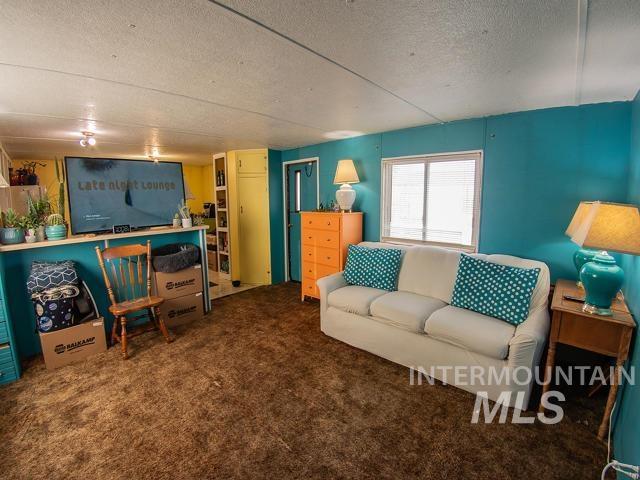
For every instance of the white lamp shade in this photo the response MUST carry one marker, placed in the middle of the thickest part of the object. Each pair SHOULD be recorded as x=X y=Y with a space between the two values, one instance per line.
x=608 y=226
x=346 y=172
x=3 y=182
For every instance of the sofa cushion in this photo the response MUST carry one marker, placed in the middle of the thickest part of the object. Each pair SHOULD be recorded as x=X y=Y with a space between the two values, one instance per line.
x=354 y=298
x=496 y=290
x=471 y=330
x=406 y=310
x=372 y=267
x=429 y=271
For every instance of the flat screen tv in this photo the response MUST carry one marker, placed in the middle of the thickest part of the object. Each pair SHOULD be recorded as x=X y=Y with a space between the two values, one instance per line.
x=104 y=192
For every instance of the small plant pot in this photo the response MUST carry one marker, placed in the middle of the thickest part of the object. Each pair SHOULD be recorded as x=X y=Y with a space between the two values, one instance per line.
x=176 y=223
x=186 y=223
x=11 y=236
x=40 y=235
x=56 y=232
x=30 y=236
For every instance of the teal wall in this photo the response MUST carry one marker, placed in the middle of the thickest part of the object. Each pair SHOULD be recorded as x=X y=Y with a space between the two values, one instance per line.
x=275 y=222
x=627 y=426
x=537 y=166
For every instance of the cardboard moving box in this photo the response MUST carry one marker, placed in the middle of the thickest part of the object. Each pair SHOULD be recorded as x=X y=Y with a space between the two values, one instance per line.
x=72 y=344
x=182 y=310
x=180 y=283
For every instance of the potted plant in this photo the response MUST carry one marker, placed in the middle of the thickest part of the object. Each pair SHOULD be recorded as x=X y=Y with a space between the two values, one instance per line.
x=12 y=231
x=185 y=215
x=39 y=210
x=30 y=177
x=56 y=228
x=176 y=221
x=30 y=223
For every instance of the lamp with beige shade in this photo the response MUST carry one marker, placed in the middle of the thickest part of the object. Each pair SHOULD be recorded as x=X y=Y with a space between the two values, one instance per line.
x=345 y=175
x=606 y=227
x=582 y=255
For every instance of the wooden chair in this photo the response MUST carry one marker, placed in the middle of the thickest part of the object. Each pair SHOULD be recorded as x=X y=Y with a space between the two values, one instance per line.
x=124 y=270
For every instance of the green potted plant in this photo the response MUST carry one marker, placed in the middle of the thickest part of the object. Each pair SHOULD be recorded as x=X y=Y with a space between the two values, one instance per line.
x=12 y=231
x=56 y=228
x=39 y=210
x=176 y=221
x=30 y=223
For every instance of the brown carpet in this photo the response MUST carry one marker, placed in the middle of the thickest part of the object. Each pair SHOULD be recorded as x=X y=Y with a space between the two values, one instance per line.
x=255 y=390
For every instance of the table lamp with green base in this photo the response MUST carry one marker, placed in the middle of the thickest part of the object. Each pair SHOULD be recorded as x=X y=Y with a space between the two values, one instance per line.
x=582 y=255
x=605 y=227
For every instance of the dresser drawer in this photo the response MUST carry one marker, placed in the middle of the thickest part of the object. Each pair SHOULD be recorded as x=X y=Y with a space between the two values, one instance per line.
x=320 y=238
x=4 y=334
x=322 y=222
x=5 y=354
x=316 y=270
x=309 y=288
x=324 y=256
x=7 y=373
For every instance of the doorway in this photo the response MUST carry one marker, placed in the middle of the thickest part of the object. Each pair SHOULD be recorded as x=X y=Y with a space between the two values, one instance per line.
x=301 y=193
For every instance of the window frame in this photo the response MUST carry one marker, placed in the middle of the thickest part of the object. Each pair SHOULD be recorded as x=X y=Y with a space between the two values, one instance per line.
x=385 y=194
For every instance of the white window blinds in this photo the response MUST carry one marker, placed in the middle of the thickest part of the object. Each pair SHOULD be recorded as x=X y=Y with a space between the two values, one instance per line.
x=433 y=199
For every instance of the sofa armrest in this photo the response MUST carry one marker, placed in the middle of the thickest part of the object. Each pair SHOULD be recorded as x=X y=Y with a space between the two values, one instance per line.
x=326 y=285
x=527 y=344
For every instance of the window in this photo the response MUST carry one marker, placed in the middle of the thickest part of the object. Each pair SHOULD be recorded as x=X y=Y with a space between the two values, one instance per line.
x=297 y=193
x=432 y=199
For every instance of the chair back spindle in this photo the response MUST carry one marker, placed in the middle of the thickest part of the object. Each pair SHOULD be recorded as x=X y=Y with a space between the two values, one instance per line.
x=124 y=270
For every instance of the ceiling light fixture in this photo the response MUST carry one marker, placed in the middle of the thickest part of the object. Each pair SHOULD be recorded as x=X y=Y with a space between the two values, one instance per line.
x=340 y=134
x=87 y=139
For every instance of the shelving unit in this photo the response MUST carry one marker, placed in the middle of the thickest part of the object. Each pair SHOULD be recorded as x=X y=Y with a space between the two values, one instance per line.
x=220 y=177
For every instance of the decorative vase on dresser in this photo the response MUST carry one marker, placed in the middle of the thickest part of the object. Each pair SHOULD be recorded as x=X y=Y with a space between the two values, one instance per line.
x=325 y=238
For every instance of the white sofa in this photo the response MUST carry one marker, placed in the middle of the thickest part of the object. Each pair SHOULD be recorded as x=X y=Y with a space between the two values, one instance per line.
x=417 y=327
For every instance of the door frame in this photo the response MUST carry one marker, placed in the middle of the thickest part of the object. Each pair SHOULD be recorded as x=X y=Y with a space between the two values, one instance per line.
x=285 y=204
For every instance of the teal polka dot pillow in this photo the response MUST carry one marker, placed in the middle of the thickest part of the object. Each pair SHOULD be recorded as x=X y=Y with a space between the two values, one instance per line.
x=373 y=267
x=495 y=290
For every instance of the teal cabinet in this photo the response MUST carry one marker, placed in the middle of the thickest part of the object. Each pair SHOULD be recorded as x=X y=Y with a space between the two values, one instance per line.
x=18 y=338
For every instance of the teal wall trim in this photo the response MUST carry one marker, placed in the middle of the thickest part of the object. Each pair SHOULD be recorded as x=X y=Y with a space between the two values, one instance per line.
x=276 y=209
x=626 y=440
x=538 y=165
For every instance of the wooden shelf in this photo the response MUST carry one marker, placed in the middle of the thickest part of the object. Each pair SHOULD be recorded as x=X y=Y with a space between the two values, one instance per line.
x=221 y=195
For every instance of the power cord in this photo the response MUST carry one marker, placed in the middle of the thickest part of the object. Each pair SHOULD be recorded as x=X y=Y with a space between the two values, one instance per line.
x=620 y=467
x=616 y=465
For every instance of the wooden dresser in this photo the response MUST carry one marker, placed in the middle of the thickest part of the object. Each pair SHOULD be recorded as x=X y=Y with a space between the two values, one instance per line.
x=325 y=238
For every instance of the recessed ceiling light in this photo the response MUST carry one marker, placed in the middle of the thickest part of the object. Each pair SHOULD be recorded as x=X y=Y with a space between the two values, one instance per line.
x=340 y=134
x=132 y=25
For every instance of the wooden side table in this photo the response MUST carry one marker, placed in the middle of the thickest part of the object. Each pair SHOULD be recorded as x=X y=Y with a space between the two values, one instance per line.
x=605 y=335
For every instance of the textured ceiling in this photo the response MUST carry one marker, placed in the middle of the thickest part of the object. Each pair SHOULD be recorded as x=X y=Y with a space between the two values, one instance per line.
x=189 y=78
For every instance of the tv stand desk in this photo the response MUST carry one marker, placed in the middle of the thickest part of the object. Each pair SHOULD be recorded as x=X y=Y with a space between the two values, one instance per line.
x=18 y=338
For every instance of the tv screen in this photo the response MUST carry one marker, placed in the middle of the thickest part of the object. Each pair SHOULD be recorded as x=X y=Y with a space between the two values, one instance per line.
x=104 y=192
